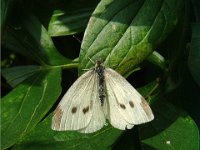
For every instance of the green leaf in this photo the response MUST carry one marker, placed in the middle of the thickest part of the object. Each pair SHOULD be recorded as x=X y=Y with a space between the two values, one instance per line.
x=6 y=6
x=71 y=19
x=194 y=55
x=65 y=17
x=27 y=104
x=48 y=139
x=173 y=129
x=16 y=75
x=28 y=37
x=149 y=89
x=63 y=23
x=123 y=34
x=157 y=60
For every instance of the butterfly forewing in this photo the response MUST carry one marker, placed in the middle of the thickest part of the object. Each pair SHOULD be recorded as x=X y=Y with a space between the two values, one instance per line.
x=74 y=112
x=125 y=100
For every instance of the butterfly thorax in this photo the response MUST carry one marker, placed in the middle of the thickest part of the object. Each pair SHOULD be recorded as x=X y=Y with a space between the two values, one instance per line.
x=100 y=72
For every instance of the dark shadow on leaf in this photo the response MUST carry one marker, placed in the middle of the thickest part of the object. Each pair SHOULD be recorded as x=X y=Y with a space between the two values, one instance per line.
x=128 y=140
x=147 y=147
x=36 y=79
x=164 y=115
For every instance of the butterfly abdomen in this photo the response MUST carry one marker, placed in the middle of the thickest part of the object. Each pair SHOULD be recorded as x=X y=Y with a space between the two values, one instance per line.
x=100 y=72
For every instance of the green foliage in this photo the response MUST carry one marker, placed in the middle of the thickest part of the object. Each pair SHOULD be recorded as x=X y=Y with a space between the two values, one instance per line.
x=29 y=101
x=144 y=39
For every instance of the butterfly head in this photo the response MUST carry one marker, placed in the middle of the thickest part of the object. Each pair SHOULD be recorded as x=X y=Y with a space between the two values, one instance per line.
x=98 y=63
x=99 y=68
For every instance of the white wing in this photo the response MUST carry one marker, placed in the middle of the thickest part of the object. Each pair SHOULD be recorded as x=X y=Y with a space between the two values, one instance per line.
x=126 y=106
x=98 y=119
x=74 y=110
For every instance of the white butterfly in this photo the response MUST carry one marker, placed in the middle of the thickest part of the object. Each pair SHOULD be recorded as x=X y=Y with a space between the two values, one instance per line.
x=99 y=94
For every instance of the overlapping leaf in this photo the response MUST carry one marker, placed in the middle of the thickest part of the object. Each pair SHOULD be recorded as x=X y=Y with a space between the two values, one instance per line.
x=29 y=37
x=16 y=75
x=71 y=19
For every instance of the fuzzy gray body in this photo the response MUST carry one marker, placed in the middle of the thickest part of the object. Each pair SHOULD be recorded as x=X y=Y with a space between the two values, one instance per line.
x=99 y=69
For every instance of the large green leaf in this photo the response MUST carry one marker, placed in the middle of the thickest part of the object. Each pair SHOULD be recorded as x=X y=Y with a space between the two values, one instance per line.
x=27 y=104
x=27 y=36
x=124 y=33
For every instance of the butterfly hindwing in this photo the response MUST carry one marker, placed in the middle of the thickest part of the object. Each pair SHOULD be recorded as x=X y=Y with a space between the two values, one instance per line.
x=98 y=118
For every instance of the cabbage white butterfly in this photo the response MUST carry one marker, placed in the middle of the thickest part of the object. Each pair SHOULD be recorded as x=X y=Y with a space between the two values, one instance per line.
x=99 y=94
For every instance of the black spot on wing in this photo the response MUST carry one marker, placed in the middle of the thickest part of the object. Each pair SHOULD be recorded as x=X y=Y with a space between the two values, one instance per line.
x=74 y=109
x=131 y=104
x=122 y=106
x=86 y=109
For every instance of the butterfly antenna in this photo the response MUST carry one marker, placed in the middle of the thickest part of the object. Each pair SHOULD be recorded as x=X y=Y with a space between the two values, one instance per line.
x=77 y=39
x=109 y=59
x=91 y=60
